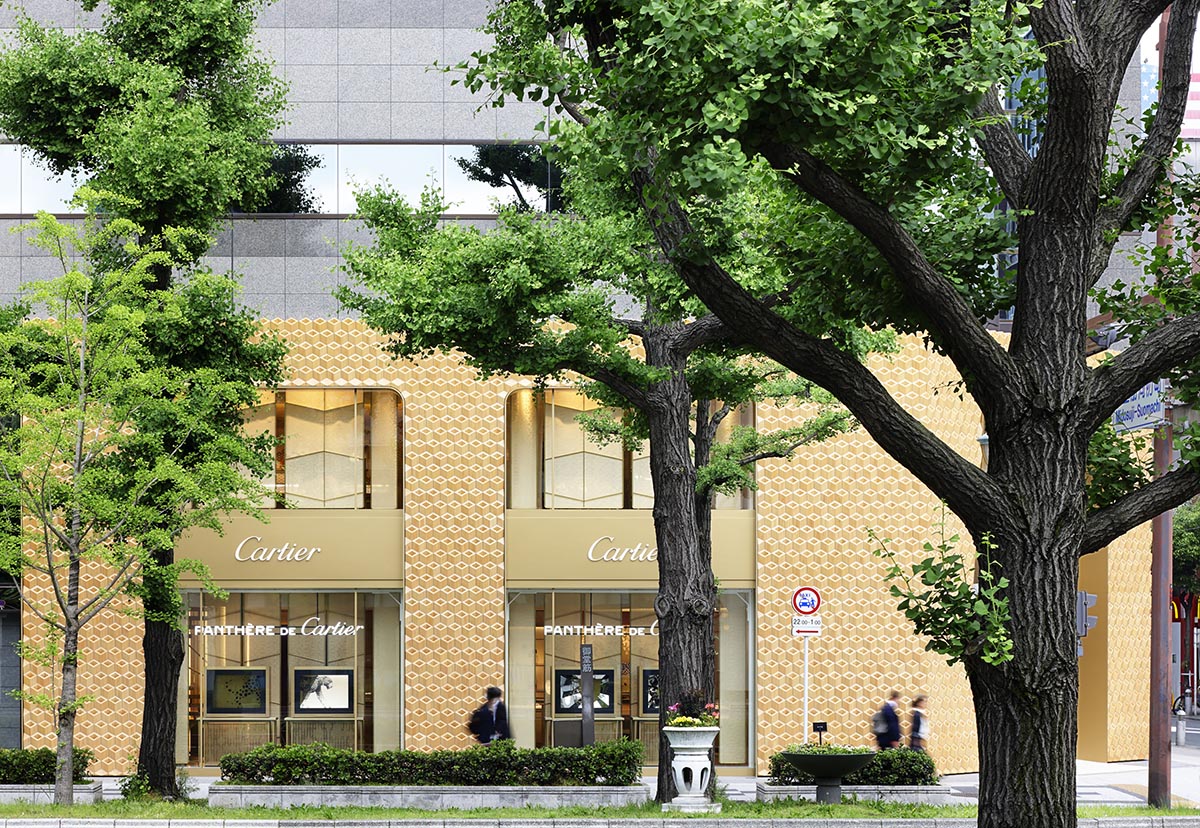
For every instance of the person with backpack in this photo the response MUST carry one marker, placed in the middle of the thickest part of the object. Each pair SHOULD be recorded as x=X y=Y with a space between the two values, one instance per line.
x=885 y=724
x=489 y=721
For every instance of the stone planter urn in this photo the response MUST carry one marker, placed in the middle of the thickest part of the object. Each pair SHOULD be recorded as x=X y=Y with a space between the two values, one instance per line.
x=691 y=768
x=828 y=769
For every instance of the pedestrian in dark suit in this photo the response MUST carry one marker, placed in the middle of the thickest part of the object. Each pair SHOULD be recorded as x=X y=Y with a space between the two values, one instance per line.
x=494 y=716
x=890 y=737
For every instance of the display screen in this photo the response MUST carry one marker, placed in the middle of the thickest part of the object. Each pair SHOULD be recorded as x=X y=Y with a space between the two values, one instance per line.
x=568 y=691
x=323 y=690
x=237 y=690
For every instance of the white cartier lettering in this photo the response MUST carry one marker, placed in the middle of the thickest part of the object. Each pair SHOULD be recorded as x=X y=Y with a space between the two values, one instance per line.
x=287 y=552
x=598 y=552
x=599 y=629
x=313 y=626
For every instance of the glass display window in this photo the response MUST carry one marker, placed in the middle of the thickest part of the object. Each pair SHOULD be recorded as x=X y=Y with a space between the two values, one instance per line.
x=293 y=668
x=552 y=463
x=337 y=448
x=545 y=632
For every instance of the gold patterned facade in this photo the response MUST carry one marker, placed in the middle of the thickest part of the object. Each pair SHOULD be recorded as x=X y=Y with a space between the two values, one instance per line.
x=448 y=556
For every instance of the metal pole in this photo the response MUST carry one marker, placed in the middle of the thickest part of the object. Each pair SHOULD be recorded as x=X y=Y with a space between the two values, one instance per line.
x=806 y=689
x=1159 y=783
x=1159 y=792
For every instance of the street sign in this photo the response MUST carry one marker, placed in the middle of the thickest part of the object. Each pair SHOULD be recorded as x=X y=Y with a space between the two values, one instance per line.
x=1143 y=410
x=806 y=625
x=806 y=601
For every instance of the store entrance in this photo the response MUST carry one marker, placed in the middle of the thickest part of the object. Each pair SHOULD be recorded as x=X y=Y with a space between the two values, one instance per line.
x=546 y=630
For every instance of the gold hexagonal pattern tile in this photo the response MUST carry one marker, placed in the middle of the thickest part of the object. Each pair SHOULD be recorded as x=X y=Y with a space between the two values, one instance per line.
x=813 y=514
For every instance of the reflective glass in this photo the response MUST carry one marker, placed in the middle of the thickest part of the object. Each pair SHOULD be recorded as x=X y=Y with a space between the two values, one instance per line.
x=42 y=190
x=336 y=678
x=10 y=175
x=324 y=443
x=322 y=178
x=545 y=631
x=405 y=168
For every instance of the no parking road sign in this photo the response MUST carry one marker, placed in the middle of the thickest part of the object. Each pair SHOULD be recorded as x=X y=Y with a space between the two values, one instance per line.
x=806 y=623
x=806 y=601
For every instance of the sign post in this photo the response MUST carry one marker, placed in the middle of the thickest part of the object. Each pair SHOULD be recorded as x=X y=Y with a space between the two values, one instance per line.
x=1149 y=407
x=806 y=601
x=587 y=727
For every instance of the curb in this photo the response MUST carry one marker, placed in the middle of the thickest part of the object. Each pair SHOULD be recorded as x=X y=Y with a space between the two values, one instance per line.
x=577 y=822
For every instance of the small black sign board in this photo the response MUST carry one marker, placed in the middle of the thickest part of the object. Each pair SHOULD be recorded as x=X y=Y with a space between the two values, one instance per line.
x=820 y=728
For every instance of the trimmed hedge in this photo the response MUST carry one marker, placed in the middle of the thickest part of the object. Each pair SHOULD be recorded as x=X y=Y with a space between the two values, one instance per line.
x=37 y=767
x=895 y=766
x=498 y=763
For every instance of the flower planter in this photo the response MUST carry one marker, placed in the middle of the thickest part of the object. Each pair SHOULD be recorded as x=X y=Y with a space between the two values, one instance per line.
x=828 y=770
x=690 y=767
x=916 y=794
x=87 y=793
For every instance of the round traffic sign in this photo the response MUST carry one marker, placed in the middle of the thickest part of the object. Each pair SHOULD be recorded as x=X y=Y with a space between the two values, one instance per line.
x=806 y=601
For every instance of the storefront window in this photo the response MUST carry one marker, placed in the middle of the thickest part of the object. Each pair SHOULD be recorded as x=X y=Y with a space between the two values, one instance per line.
x=545 y=631
x=293 y=668
x=338 y=449
x=552 y=464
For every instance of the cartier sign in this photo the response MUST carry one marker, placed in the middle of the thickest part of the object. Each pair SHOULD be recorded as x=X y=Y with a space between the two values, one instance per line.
x=604 y=548
x=251 y=549
x=313 y=626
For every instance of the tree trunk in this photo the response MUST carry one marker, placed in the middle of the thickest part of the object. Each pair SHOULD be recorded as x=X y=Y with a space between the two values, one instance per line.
x=686 y=592
x=64 y=782
x=162 y=647
x=163 y=651
x=1026 y=710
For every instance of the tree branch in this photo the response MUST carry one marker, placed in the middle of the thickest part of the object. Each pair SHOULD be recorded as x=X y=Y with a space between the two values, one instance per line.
x=634 y=326
x=1056 y=26
x=621 y=385
x=1006 y=157
x=570 y=107
x=1106 y=525
x=105 y=596
x=975 y=497
x=965 y=339
x=706 y=330
x=786 y=451
x=1159 y=144
x=1162 y=349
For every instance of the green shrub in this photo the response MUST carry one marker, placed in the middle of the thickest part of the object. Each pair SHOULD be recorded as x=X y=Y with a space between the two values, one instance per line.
x=499 y=763
x=896 y=766
x=37 y=767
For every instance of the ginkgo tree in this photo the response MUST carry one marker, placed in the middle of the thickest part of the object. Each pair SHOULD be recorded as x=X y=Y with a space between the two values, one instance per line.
x=78 y=367
x=859 y=108
x=584 y=292
x=171 y=106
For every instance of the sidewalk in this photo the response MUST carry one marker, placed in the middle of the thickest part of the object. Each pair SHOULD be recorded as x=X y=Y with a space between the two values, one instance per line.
x=1115 y=783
